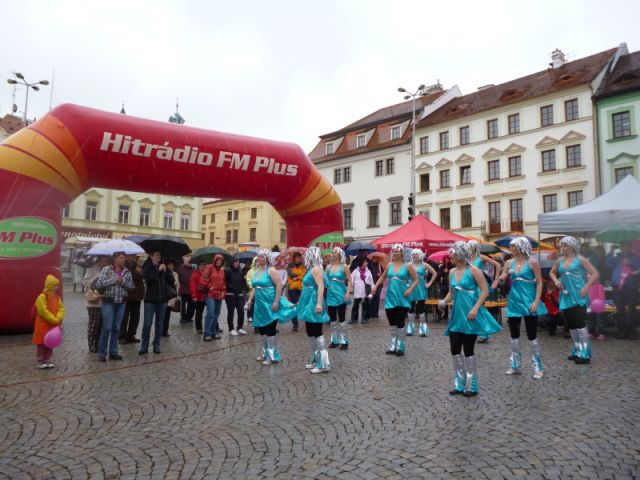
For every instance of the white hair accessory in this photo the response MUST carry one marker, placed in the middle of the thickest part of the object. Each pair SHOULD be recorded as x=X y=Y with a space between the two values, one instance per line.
x=473 y=244
x=572 y=243
x=313 y=257
x=340 y=252
x=418 y=252
x=461 y=250
x=522 y=244
x=266 y=254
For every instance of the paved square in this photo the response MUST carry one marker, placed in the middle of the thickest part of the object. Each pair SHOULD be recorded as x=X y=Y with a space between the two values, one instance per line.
x=209 y=410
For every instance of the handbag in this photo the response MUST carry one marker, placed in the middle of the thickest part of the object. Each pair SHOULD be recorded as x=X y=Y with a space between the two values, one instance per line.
x=171 y=292
x=176 y=305
x=92 y=296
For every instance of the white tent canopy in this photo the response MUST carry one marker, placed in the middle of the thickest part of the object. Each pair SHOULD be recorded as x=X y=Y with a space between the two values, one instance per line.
x=621 y=204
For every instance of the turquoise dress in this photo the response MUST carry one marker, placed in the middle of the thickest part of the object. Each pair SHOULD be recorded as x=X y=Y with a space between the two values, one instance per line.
x=466 y=293
x=308 y=298
x=336 y=286
x=523 y=292
x=420 y=292
x=265 y=294
x=573 y=279
x=398 y=283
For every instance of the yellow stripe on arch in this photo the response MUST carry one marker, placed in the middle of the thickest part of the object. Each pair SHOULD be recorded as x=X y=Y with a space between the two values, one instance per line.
x=322 y=196
x=15 y=161
x=34 y=144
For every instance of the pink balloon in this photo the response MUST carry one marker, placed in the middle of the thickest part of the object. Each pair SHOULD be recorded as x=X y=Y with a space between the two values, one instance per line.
x=597 y=305
x=53 y=337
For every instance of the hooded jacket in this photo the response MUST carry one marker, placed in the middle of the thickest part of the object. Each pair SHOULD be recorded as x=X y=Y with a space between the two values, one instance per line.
x=235 y=281
x=49 y=310
x=213 y=279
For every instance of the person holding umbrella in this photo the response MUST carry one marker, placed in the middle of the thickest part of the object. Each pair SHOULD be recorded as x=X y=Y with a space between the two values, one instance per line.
x=339 y=288
x=157 y=278
x=574 y=295
x=402 y=282
x=419 y=295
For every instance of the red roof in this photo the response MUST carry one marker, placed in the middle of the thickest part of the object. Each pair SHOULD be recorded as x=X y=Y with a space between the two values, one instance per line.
x=419 y=233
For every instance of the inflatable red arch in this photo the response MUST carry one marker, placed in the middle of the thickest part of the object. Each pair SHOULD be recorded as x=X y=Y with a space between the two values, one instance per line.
x=46 y=165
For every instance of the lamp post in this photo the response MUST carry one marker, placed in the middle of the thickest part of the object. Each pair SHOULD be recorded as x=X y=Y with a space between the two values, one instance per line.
x=412 y=195
x=22 y=81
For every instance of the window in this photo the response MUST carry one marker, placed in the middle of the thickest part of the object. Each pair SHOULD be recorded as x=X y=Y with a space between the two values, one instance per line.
x=65 y=211
x=213 y=218
x=379 y=168
x=329 y=151
x=516 y=215
x=621 y=124
x=373 y=216
x=492 y=128
x=464 y=135
x=145 y=213
x=396 y=132
x=574 y=156
x=347 y=174
x=396 y=213
x=123 y=214
x=445 y=218
x=91 y=211
x=252 y=234
x=389 y=166
x=571 y=110
x=494 y=217
x=283 y=235
x=424 y=145
x=212 y=238
x=465 y=216
x=494 y=169
x=424 y=182
x=445 y=179
x=623 y=172
x=168 y=220
x=514 y=123
x=185 y=221
x=236 y=213
x=254 y=212
x=444 y=140
x=361 y=141
x=465 y=175
x=550 y=202
x=546 y=115
x=229 y=215
x=347 y=214
x=575 y=198
x=337 y=176
x=515 y=166
x=548 y=160
x=204 y=219
x=228 y=236
x=235 y=236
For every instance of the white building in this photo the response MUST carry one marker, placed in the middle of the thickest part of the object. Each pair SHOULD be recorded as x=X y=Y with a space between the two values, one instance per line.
x=369 y=164
x=489 y=162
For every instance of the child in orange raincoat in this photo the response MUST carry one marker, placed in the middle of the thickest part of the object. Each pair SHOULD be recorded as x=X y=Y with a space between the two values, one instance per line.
x=49 y=313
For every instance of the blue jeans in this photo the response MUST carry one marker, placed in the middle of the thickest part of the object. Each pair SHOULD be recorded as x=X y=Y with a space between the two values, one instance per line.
x=151 y=309
x=112 y=314
x=211 y=319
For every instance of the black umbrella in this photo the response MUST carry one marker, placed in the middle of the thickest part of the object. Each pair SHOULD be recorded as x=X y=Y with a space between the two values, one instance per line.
x=206 y=254
x=245 y=257
x=489 y=248
x=168 y=245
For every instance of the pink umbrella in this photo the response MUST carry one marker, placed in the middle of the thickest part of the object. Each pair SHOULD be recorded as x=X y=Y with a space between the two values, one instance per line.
x=438 y=256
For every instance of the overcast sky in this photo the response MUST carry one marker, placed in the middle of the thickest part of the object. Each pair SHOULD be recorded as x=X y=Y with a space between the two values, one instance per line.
x=286 y=70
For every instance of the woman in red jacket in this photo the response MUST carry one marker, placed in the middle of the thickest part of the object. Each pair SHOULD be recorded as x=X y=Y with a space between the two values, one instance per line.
x=213 y=279
x=198 y=294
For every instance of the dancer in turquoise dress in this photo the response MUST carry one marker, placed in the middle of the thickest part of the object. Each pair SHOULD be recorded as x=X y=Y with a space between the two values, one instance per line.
x=523 y=301
x=419 y=295
x=338 y=294
x=468 y=318
x=269 y=307
x=478 y=260
x=574 y=295
x=312 y=309
x=402 y=282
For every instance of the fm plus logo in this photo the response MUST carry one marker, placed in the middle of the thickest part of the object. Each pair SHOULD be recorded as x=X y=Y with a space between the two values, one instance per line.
x=26 y=237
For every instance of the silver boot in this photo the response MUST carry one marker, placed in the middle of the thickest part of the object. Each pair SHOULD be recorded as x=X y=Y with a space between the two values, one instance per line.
x=335 y=335
x=516 y=357
x=400 y=343
x=584 y=348
x=315 y=356
x=458 y=367
x=323 y=364
x=536 y=359
x=471 y=383
x=411 y=327
x=273 y=355
x=394 y=339
x=575 y=338
x=342 y=335
x=262 y=349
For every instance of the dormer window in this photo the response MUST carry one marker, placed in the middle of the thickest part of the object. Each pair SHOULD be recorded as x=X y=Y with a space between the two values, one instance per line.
x=329 y=148
x=396 y=132
x=361 y=141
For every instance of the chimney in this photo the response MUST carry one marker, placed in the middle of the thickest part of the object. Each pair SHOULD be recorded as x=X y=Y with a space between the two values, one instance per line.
x=557 y=58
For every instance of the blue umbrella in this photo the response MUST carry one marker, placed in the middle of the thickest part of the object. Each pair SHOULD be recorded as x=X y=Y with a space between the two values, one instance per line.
x=505 y=241
x=354 y=248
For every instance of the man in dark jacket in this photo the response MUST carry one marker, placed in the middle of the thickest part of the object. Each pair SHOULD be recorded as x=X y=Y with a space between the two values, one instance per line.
x=376 y=270
x=131 y=317
x=157 y=278
x=235 y=298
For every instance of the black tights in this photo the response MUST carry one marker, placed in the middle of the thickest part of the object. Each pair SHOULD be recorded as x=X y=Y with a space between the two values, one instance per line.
x=268 y=330
x=396 y=316
x=575 y=316
x=313 y=329
x=418 y=307
x=459 y=340
x=338 y=313
x=530 y=323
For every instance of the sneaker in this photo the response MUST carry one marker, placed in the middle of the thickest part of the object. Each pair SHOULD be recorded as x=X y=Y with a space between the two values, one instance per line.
x=115 y=356
x=241 y=331
x=512 y=371
x=538 y=375
x=207 y=339
x=233 y=333
x=50 y=365
x=600 y=337
x=250 y=320
x=319 y=370
x=43 y=365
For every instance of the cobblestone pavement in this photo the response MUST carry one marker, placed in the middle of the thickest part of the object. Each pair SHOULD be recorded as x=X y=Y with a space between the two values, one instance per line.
x=209 y=410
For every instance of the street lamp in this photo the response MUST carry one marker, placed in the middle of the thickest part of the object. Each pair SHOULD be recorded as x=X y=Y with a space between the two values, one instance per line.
x=412 y=195
x=19 y=76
